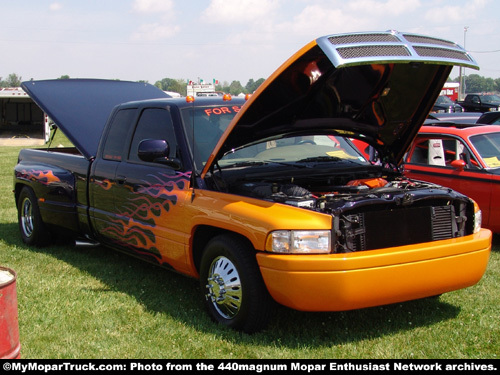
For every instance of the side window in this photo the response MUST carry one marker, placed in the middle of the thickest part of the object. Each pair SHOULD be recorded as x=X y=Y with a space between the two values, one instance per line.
x=114 y=146
x=455 y=149
x=155 y=123
x=420 y=152
x=441 y=152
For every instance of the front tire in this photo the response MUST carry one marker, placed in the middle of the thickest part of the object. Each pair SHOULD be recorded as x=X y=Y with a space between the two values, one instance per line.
x=232 y=286
x=32 y=228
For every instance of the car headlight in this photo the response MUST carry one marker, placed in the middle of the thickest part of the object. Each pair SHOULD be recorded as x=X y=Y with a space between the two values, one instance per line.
x=299 y=242
x=478 y=218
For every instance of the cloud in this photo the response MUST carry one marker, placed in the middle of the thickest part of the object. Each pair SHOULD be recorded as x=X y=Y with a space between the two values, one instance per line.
x=55 y=7
x=240 y=11
x=162 y=29
x=315 y=20
x=154 y=31
x=153 y=6
x=458 y=12
x=383 y=8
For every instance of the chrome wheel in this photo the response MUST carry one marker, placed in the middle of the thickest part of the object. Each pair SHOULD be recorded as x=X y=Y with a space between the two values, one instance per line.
x=224 y=287
x=233 y=290
x=31 y=226
x=27 y=217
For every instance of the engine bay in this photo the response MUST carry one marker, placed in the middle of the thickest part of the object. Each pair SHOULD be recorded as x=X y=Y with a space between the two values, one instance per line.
x=367 y=213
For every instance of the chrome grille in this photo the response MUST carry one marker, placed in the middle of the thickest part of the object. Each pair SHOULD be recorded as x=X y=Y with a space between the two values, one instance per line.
x=363 y=38
x=428 y=40
x=391 y=46
x=440 y=52
x=364 y=51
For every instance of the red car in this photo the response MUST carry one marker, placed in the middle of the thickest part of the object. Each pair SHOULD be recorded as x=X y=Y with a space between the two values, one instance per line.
x=465 y=158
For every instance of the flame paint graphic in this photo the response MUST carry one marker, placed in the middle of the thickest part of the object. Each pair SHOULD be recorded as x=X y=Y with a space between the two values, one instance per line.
x=45 y=177
x=105 y=184
x=135 y=224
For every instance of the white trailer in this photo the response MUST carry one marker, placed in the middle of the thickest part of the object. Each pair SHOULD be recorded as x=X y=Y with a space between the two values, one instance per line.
x=20 y=117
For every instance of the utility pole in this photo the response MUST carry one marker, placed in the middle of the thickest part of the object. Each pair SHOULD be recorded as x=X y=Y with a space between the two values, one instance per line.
x=462 y=73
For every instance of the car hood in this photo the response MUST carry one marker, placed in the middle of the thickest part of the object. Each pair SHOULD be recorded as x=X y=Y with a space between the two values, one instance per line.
x=377 y=86
x=81 y=107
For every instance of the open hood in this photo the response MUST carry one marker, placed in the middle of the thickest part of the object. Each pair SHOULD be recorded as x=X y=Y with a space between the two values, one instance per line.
x=81 y=107
x=377 y=86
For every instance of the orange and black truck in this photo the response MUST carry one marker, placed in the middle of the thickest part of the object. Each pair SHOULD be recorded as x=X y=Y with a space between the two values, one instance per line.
x=266 y=201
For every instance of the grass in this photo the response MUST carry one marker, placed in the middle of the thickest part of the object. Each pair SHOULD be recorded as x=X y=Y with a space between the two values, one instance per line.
x=96 y=303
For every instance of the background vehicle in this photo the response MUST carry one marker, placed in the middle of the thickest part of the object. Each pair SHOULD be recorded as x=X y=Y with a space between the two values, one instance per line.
x=480 y=103
x=466 y=158
x=265 y=201
x=444 y=104
x=491 y=118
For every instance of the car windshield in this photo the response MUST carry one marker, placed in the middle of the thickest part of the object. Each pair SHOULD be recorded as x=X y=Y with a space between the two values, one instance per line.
x=488 y=146
x=442 y=99
x=295 y=150
x=491 y=98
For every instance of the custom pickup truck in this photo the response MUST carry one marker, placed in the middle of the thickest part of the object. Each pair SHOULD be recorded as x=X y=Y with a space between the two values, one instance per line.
x=480 y=103
x=267 y=200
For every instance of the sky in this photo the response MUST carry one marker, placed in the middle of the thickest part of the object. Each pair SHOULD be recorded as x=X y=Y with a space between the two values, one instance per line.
x=225 y=40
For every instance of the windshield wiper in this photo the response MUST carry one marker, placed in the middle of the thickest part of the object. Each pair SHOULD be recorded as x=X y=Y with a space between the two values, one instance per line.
x=320 y=159
x=245 y=164
x=251 y=163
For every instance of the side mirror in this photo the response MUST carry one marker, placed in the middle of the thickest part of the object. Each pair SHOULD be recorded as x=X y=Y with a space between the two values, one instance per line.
x=151 y=149
x=156 y=151
x=459 y=165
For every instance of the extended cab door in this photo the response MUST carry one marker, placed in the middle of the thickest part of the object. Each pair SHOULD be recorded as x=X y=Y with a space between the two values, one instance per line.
x=430 y=159
x=102 y=182
x=149 y=194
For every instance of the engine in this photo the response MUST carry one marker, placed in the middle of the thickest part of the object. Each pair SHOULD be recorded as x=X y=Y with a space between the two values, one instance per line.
x=374 y=213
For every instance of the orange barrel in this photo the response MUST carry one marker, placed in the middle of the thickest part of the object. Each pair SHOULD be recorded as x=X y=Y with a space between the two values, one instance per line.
x=10 y=347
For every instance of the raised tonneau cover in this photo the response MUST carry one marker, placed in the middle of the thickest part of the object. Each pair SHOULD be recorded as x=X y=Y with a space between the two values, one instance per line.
x=81 y=107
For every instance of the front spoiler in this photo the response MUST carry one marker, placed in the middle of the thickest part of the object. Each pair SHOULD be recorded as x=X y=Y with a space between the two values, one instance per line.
x=339 y=282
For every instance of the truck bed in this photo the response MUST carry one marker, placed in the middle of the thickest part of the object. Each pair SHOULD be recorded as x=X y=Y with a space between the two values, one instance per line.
x=60 y=176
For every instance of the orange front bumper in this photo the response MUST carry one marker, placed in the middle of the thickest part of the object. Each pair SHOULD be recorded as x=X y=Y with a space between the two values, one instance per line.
x=337 y=282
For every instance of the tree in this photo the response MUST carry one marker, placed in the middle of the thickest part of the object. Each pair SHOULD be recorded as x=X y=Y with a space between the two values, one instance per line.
x=252 y=85
x=170 y=84
x=13 y=80
x=235 y=88
x=477 y=83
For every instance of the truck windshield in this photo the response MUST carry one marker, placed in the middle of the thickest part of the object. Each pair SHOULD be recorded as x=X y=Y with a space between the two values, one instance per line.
x=491 y=98
x=297 y=151
x=204 y=127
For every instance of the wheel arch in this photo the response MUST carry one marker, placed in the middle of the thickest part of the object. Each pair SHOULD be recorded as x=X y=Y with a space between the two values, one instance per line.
x=203 y=234
x=18 y=186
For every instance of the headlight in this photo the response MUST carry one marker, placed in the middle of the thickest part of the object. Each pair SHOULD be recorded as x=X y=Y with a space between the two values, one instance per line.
x=299 y=242
x=478 y=217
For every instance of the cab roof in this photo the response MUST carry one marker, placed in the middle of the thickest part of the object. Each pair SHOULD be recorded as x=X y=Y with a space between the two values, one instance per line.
x=465 y=131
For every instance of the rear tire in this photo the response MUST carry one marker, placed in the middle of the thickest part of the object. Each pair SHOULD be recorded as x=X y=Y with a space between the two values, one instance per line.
x=232 y=286
x=32 y=228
